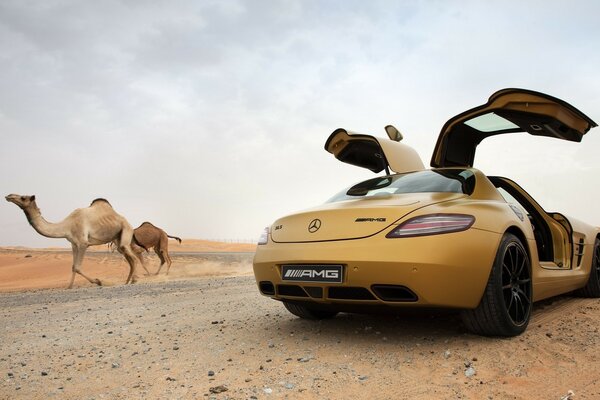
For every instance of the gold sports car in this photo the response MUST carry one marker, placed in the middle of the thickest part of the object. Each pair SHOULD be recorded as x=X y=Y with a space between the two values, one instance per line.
x=449 y=236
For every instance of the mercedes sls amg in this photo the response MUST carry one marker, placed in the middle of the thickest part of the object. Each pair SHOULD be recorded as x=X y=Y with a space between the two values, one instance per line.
x=449 y=236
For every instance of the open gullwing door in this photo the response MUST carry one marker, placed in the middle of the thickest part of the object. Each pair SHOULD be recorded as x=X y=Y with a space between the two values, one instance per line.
x=507 y=111
x=372 y=153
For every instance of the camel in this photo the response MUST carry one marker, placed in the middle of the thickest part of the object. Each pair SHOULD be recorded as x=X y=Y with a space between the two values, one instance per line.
x=147 y=236
x=97 y=224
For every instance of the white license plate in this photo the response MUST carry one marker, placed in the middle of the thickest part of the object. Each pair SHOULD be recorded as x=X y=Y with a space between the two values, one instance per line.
x=312 y=273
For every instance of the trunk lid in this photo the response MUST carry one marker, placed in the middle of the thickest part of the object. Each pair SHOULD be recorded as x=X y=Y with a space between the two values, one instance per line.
x=352 y=219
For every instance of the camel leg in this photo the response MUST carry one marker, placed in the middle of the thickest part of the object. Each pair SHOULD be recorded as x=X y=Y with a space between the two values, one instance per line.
x=78 y=253
x=131 y=259
x=141 y=259
x=160 y=255
x=138 y=250
x=138 y=253
x=125 y=246
x=162 y=249
x=168 y=257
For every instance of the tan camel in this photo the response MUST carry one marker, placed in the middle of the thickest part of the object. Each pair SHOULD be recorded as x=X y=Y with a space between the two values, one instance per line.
x=147 y=236
x=84 y=227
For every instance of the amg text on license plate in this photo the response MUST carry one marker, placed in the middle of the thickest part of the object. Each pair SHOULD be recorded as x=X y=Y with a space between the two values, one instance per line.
x=312 y=273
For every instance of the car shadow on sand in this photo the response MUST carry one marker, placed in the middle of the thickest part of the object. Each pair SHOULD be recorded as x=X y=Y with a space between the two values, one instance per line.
x=407 y=325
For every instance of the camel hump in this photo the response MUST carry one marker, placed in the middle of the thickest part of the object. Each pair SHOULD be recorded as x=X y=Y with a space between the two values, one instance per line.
x=146 y=223
x=100 y=200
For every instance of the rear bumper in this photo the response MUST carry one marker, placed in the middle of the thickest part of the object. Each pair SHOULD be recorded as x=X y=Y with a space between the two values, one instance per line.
x=448 y=270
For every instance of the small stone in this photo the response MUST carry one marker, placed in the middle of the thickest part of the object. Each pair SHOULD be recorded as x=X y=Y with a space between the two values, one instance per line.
x=549 y=334
x=115 y=365
x=268 y=390
x=289 y=385
x=363 y=378
x=10 y=375
x=447 y=354
x=27 y=255
x=44 y=373
x=211 y=373
x=170 y=379
x=218 y=389
x=163 y=315
x=175 y=347
x=214 y=322
x=469 y=372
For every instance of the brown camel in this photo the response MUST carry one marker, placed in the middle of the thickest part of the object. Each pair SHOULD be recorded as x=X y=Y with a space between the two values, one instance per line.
x=84 y=227
x=147 y=236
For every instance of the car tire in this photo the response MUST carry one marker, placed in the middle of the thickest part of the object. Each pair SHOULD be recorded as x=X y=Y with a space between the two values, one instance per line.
x=308 y=312
x=592 y=287
x=505 y=307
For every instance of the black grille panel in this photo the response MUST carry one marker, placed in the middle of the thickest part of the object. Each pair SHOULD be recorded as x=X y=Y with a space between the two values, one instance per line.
x=291 y=290
x=315 y=292
x=395 y=293
x=350 y=293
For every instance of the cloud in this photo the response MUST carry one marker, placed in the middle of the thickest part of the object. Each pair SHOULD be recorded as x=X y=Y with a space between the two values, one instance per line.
x=209 y=118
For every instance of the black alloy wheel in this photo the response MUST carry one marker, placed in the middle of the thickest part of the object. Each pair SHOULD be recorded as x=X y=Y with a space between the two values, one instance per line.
x=516 y=283
x=505 y=307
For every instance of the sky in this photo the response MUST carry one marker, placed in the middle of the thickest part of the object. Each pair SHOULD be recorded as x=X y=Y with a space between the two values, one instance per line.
x=208 y=118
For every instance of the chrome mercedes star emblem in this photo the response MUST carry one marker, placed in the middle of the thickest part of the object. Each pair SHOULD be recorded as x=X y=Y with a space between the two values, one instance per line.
x=314 y=225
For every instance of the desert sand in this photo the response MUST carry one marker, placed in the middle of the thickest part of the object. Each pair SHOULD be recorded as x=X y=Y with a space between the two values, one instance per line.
x=22 y=268
x=204 y=332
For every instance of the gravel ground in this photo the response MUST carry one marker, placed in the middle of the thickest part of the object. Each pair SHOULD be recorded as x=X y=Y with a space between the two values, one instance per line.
x=217 y=338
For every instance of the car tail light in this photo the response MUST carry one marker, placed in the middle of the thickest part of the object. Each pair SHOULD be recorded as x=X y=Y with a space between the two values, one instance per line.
x=264 y=236
x=432 y=225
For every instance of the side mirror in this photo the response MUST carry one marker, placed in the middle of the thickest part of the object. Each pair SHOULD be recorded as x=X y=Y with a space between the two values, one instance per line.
x=393 y=133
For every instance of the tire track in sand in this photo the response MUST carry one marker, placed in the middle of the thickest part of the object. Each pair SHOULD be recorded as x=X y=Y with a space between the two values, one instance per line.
x=558 y=308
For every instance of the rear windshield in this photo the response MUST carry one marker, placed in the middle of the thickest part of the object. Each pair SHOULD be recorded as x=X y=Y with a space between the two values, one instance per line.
x=435 y=180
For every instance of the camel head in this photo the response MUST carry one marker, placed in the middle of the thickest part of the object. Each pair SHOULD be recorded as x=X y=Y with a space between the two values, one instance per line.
x=23 y=202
